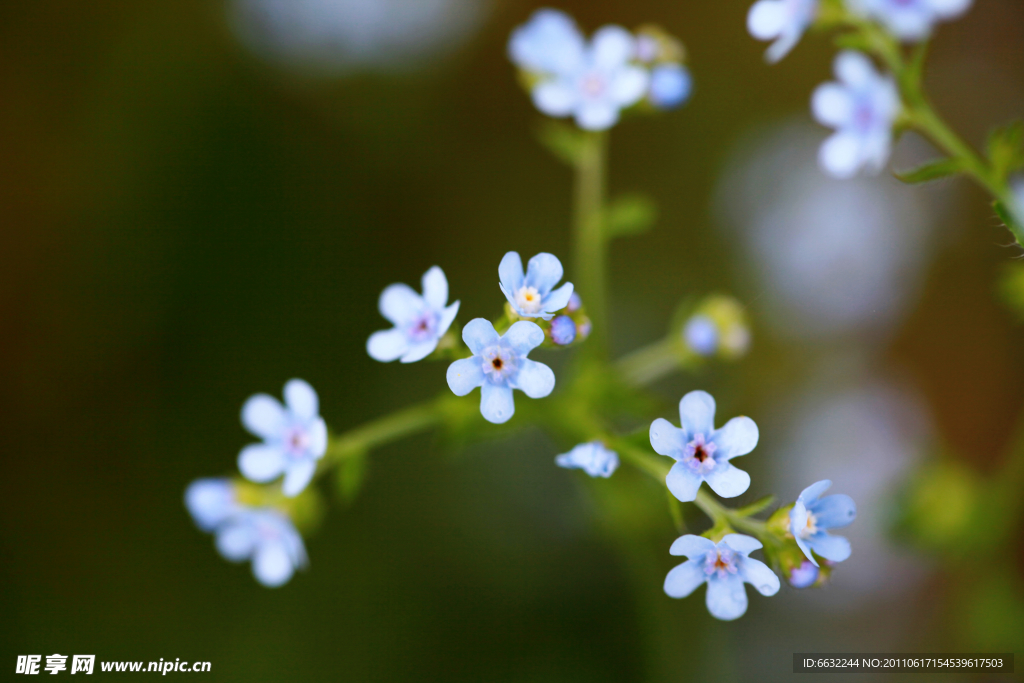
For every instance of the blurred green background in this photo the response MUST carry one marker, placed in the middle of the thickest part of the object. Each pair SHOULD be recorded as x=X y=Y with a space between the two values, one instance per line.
x=187 y=220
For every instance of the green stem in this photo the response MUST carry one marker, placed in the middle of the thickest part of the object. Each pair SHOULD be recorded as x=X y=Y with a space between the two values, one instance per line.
x=650 y=363
x=411 y=420
x=590 y=245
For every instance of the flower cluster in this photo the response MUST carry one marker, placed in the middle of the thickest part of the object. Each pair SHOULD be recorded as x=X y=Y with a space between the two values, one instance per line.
x=594 y=81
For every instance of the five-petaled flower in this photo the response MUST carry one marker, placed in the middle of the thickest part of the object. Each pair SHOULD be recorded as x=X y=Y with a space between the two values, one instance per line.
x=785 y=21
x=499 y=365
x=911 y=20
x=294 y=437
x=812 y=515
x=702 y=453
x=420 y=321
x=593 y=458
x=268 y=538
x=724 y=566
x=532 y=295
x=862 y=107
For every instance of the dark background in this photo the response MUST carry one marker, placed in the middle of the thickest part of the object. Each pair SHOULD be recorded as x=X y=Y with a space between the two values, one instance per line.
x=185 y=223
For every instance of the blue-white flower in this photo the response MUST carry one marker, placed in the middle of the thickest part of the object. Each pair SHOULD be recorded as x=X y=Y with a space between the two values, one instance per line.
x=670 y=86
x=804 y=576
x=911 y=20
x=499 y=365
x=601 y=81
x=420 y=321
x=702 y=453
x=268 y=538
x=724 y=566
x=211 y=502
x=862 y=107
x=593 y=458
x=549 y=43
x=701 y=335
x=563 y=330
x=812 y=515
x=533 y=295
x=294 y=437
x=785 y=21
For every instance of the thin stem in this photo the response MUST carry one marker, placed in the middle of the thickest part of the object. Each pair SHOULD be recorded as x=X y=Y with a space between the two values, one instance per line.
x=590 y=244
x=392 y=427
x=650 y=363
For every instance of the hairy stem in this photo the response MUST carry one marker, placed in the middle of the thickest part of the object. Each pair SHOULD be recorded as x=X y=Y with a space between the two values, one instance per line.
x=591 y=254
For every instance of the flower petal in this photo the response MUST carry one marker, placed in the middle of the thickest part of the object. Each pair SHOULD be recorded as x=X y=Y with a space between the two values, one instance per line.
x=813 y=492
x=806 y=550
x=781 y=47
x=465 y=375
x=536 y=380
x=727 y=481
x=742 y=543
x=697 y=413
x=235 y=542
x=683 y=482
x=510 y=272
x=260 y=462
x=766 y=19
x=419 y=351
x=629 y=85
x=301 y=400
x=387 y=345
x=833 y=548
x=554 y=98
x=446 y=319
x=950 y=8
x=548 y=43
x=558 y=299
x=757 y=574
x=210 y=502
x=666 y=438
x=840 y=156
x=737 y=437
x=832 y=105
x=298 y=477
x=854 y=68
x=691 y=546
x=524 y=336
x=496 y=403
x=726 y=599
x=611 y=47
x=317 y=435
x=597 y=115
x=479 y=334
x=264 y=416
x=835 y=511
x=543 y=272
x=271 y=565
x=435 y=288
x=399 y=304
x=684 y=579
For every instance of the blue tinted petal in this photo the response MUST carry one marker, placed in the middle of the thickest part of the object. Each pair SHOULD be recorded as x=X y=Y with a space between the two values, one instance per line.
x=742 y=543
x=301 y=400
x=235 y=542
x=834 y=511
x=738 y=437
x=419 y=351
x=543 y=272
x=510 y=273
x=317 y=435
x=536 y=380
x=691 y=546
x=524 y=336
x=210 y=502
x=813 y=492
x=478 y=335
x=684 y=579
x=261 y=463
x=435 y=288
x=757 y=574
x=272 y=564
x=558 y=299
x=667 y=439
x=387 y=345
x=834 y=548
x=496 y=403
x=465 y=375
x=298 y=477
x=806 y=550
x=697 y=413
x=447 y=317
x=726 y=599
x=264 y=416
x=727 y=481
x=683 y=482
x=399 y=304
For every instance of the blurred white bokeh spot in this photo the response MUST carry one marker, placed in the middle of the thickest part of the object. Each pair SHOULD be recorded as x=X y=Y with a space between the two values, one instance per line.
x=830 y=257
x=332 y=36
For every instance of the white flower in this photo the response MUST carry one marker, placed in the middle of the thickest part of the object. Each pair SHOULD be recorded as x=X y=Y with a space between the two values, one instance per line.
x=862 y=107
x=419 y=321
x=269 y=539
x=593 y=458
x=911 y=19
x=782 y=20
x=597 y=83
x=294 y=437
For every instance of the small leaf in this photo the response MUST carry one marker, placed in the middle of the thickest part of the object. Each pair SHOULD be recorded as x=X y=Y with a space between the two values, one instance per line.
x=1007 y=217
x=351 y=476
x=629 y=215
x=756 y=507
x=933 y=170
x=563 y=140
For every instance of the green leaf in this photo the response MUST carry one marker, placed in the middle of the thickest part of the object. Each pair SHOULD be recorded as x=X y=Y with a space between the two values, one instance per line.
x=1006 y=149
x=563 y=140
x=933 y=170
x=1007 y=217
x=351 y=476
x=629 y=215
